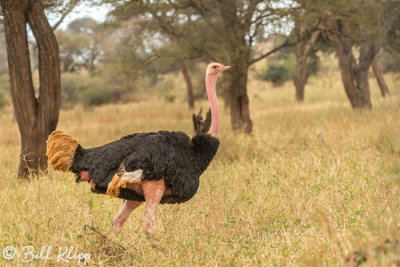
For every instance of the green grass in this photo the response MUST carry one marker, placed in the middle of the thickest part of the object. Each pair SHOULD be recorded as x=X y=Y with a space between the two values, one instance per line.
x=313 y=183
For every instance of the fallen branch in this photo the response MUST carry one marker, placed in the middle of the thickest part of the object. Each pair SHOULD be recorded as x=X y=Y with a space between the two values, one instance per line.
x=103 y=236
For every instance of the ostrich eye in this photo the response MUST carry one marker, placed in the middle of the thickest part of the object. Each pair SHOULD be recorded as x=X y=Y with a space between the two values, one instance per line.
x=214 y=67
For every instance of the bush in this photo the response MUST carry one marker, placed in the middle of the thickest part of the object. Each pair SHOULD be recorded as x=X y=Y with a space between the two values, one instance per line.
x=389 y=61
x=71 y=85
x=282 y=66
x=88 y=90
x=313 y=64
x=277 y=74
x=165 y=90
x=94 y=97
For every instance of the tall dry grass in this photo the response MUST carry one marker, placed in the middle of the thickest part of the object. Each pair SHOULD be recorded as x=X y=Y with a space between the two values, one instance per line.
x=314 y=183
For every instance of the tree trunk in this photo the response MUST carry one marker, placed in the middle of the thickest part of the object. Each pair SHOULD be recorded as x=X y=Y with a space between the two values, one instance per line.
x=353 y=92
x=225 y=90
x=36 y=117
x=189 y=86
x=239 y=53
x=300 y=77
x=354 y=76
x=239 y=101
x=379 y=77
x=302 y=51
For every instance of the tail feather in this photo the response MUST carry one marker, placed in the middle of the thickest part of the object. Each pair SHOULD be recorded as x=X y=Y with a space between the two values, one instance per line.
x=61 y=150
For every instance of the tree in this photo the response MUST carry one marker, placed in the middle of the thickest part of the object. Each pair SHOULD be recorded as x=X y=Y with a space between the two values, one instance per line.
x=364 y=26
x=306 y=35
x=37 y=117
x=73 y=50
x=82 y=44
x=216 y=30
x=390 y=56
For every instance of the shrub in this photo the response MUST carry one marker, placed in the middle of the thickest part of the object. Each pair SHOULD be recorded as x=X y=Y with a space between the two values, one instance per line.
x=165 y=90
x=71 y=85
x=313 y=64
x=94 y=97
x=282 y=66
x=277 y=74
x=88 y=90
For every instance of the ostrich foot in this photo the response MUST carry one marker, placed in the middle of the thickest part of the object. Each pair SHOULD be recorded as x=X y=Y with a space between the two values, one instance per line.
x=121 y=179
x=149 y=226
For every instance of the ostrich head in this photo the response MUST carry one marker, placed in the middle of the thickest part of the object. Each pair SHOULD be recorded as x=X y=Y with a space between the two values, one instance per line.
x=215 y=68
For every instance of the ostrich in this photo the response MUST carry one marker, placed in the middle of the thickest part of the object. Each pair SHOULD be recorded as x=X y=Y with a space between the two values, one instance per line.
x=157 y=167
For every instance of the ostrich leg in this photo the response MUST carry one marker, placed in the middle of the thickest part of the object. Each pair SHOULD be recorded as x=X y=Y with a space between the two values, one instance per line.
x=124 y=213
x=153 y=193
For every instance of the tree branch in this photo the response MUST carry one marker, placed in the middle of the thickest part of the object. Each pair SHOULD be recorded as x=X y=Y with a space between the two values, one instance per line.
x=64 y=15
x=285 y=44
x=311 y=42
x=176 y=33
x=313 y=35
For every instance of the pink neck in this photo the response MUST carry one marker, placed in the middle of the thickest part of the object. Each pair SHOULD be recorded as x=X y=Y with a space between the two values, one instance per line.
x=211 y=81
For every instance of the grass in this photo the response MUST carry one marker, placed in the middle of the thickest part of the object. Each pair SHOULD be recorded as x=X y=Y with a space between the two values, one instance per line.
x=313 y=184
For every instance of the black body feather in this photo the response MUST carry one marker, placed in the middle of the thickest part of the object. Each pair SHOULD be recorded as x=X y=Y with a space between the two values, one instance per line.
x=172 y=155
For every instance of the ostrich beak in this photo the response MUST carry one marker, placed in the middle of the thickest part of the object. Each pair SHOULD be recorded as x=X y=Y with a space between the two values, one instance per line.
x=225 y=68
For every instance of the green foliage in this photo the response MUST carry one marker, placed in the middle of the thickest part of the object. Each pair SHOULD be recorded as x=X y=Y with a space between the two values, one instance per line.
x=390 y=61
x=313 y=64
x=165 y=90
x=390 y=57
x=95 y=96
x=88 y=90
x=282 y=66
x=83 y=44
x=276 y=73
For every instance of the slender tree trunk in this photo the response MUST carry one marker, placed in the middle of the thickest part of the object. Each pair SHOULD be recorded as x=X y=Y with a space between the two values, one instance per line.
x=189 y=86
x=303 y=49
x=379 y=77
x=300 y=77
x=36 y=117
